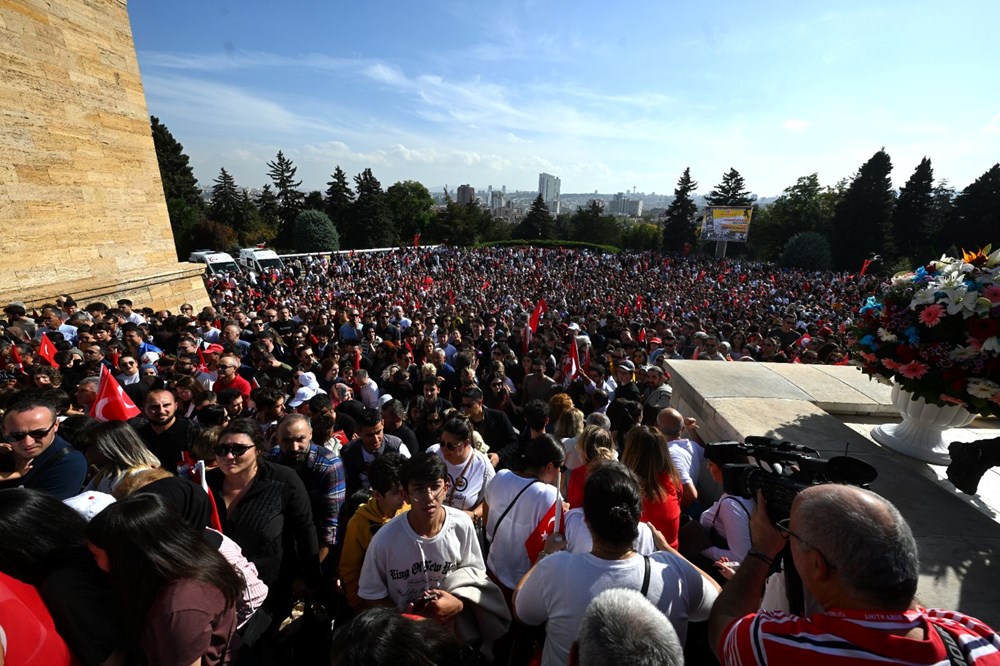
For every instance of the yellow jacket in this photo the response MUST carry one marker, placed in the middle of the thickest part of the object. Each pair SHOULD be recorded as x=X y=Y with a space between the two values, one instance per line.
x=360 y=530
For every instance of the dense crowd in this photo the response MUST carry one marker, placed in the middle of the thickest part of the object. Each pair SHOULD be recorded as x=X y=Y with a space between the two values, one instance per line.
x=449 y=456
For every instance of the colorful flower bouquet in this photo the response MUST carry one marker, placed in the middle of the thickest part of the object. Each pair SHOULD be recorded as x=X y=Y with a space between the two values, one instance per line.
x=934 y=332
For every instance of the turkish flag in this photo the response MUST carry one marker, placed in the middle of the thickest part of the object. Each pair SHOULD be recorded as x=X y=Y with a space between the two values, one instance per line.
x=539 y=310
x=112 y=404
x=571 y=366
x=865 y=265
x=47 y=350
x=16 y=358
x=642 y=334
x=546 y=526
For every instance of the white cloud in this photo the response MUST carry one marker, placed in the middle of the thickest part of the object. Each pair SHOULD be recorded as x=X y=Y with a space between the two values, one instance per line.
x=993 y=127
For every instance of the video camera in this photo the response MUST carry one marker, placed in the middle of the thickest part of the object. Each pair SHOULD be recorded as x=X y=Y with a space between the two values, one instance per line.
x=780 y=470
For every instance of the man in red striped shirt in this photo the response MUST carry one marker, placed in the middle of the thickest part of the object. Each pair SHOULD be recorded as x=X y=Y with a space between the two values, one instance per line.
x=857 y=557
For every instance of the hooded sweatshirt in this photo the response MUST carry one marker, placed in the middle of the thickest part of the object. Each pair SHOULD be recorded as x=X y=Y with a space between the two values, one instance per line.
x=360 y=530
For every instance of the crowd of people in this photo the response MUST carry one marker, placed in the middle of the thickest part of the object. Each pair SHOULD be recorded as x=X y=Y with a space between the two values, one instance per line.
x=450 y=456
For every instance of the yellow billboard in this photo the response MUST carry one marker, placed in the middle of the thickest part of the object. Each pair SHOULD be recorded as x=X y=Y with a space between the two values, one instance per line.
x=723 y=223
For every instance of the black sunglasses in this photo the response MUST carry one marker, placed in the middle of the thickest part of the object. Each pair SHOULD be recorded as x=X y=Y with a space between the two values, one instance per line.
x=237 y=450
x=36 y=435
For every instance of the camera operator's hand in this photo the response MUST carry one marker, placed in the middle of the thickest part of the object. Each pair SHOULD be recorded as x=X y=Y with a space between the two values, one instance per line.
x=764 y=536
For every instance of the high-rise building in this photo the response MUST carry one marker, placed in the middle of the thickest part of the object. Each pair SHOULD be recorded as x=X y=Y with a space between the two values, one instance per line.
x=548 y=187
x=466 y=194
x=621 y=205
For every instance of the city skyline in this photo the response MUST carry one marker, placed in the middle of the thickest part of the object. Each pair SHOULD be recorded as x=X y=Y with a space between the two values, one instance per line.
x=603 y=99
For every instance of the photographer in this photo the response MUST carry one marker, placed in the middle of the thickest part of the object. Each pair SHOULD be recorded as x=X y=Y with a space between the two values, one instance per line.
x=856 y=555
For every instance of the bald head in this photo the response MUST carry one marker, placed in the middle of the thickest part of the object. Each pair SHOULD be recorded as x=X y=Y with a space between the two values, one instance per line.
x=864 y=537
x=670 y=422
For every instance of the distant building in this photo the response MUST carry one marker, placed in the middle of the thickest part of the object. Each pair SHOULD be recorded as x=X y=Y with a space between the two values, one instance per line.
x=623 y=206
x=466 y=194
x=548 y=187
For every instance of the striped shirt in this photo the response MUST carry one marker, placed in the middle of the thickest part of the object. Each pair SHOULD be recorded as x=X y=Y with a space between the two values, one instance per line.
x=856 y=637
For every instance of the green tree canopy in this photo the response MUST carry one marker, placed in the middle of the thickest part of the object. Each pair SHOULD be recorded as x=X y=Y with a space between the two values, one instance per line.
x=537 y=224
x=809 y=250
x=411 y=207
x=226 y=206
x=591 y=225
x=185 y=206
x=282 y=173
x=804 y=206
x=679 y=225
x=370 y=224
x=339 y=199
x=862 y=216
x=976 y=219
x=730 y=192
x=913 y=218
x=314 y=232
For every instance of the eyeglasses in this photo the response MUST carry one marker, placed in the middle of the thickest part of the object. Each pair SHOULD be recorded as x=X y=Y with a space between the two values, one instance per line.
x=127 y=364
x=783 y=526
x=226 y=366
x=433 y=419
x=37 y=435
x=454 y=447
x=237 y=450
x=426 y=493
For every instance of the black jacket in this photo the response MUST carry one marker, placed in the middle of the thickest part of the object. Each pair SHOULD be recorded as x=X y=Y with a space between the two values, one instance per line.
x=499 y=435
x=355 y=469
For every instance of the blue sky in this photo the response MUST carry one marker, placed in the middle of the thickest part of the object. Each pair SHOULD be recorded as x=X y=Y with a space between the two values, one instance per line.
x=606 y=96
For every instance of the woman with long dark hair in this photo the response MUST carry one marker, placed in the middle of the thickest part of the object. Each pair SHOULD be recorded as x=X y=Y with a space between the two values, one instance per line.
x=179 y=593
x=558 y=589
x=647 y=454
x=43 y=543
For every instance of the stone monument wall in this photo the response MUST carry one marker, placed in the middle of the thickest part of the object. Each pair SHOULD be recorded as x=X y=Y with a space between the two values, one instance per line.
x=81 y=203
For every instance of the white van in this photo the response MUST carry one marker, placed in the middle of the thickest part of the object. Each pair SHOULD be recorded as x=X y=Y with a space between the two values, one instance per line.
x=260 y=259
x=215 y=262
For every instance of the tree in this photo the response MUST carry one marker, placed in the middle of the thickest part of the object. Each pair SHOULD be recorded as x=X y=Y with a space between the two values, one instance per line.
x=804 y=206
x=730 y=192
x=314 y=232
x=226 y=206
x=862 y=217
x=643 y=236
x=679 y=226
x=411 y=207
x=339 y=199
x=314 y=201
x=282 y=174
x=370 y=224
x=537 y=224
x=185 y=206
x=209 y=233
x=591 y=225
x=809 y=250
x=976 y=218
x=913 y=216
x=263 y=226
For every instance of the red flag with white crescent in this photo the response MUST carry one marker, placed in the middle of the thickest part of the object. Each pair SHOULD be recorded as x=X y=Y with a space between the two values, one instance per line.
x=112 y=403
x=571 y=366
x=546 y=526
x=47 y=350
x=539 y=310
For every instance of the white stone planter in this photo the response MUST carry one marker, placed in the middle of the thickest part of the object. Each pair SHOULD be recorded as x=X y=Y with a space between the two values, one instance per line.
x=923 y=432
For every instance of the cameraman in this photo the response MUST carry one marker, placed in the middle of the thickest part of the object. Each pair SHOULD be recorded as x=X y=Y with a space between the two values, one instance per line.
x=856 y=555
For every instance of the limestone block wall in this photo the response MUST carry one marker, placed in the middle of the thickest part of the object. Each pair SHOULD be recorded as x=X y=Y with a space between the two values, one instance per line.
x=80 y=195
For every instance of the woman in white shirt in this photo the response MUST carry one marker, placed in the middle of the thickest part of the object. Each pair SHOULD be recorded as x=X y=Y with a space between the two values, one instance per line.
x=469 y=470
x=727 y=522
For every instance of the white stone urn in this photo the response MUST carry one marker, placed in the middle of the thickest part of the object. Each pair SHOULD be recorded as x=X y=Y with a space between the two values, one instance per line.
x=923 y=433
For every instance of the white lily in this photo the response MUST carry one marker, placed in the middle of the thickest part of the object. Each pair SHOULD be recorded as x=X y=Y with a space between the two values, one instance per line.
x=886 y=336
x=993 y=259
x=991 y=344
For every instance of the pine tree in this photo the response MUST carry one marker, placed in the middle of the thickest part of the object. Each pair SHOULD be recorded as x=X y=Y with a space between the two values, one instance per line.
x=976 y=219
x=180 y=188
x=370 y=224
x=226 y=206
x=912 y=217
x=264 y=222
x=679 y=225
x=862 y=217
x=730 y=192
x=339 y=199
x=282 y=174
x=537 y=224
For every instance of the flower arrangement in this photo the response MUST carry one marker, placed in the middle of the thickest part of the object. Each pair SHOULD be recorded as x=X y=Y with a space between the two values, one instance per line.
x=935 y=332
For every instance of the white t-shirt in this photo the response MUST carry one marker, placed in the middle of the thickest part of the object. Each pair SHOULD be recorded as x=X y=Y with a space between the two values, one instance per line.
x=562 y=585
x=402 y=565
x=469 y=484
x=508 y=559
x=579 y=540
x=731 y=518
x=687 y=457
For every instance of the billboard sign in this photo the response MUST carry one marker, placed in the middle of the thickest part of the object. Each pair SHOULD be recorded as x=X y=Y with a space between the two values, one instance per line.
x=724 y=223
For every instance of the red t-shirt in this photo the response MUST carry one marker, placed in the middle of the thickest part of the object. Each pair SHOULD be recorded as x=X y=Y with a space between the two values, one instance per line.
x=574 y=489
x=665 y=514
x=27 y=633
x=238 y=383
x=853 y=637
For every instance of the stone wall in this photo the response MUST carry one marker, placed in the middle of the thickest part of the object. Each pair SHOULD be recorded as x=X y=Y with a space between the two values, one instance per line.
x=81 y=204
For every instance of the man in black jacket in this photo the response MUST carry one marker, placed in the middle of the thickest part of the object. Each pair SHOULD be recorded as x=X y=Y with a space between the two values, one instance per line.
x=370 y=443
x=493 y=425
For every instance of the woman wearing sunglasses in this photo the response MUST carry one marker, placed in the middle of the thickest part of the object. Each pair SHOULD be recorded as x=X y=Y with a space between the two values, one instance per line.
x=263 y=506
x=468 y=469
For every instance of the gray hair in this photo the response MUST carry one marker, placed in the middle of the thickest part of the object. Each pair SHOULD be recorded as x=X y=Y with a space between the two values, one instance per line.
x=865 y=538
x=598 y=419
x=623 y=627
x=95 y=380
